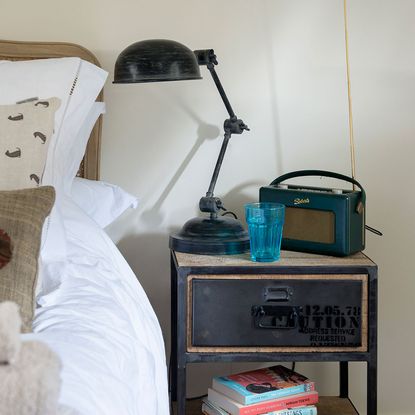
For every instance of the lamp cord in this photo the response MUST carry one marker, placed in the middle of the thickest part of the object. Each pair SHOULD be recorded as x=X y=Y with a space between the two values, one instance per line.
x=349 y=93
x=229 y=212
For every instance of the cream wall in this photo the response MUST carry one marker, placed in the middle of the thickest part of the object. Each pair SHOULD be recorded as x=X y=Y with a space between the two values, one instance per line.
x=282 y=64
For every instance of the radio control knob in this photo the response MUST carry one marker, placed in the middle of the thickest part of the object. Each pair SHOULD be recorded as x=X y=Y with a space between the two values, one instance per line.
x=283 y=186
x=337 y=191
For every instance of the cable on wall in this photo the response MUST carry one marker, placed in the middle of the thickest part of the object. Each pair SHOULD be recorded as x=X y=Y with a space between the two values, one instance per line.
x=349 y=93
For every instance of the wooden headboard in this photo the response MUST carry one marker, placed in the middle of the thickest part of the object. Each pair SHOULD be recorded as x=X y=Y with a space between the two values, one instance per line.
x=15 y=50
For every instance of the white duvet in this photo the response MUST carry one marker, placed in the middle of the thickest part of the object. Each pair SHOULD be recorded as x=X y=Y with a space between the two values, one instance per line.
x=103 y=327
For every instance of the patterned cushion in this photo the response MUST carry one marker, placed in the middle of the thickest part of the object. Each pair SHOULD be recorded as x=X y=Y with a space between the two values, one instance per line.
x=25 y=130
x=5 y=249
x=22 y=213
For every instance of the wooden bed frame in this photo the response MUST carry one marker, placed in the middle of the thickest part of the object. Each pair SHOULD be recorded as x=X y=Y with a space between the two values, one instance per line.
x=17 y=50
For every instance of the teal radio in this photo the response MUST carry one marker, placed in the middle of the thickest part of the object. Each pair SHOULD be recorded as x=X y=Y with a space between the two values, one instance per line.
x=319 y=220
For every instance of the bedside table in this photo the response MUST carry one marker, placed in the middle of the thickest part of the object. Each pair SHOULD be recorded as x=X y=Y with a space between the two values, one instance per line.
x=304 y=307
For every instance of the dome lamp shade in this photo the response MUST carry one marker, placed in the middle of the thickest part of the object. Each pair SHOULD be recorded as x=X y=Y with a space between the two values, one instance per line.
x=156 y=60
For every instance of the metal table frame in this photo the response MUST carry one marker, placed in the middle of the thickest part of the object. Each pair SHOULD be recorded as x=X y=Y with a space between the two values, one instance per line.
x=180 y=357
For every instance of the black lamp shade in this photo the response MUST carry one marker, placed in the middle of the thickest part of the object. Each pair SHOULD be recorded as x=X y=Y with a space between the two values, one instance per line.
x=156 y=60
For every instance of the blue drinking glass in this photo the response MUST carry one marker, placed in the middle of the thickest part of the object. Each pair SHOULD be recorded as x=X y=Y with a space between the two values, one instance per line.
x=265 y=222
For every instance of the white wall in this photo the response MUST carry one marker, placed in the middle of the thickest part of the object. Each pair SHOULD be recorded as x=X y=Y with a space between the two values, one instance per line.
x=282 y=64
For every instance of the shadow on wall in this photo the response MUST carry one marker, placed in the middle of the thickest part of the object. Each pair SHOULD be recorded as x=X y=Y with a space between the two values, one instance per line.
x=148 y=256
x=205 y=132
x=237 y=197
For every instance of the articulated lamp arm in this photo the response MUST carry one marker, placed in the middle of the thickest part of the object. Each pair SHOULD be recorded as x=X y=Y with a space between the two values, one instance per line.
x=232 y=125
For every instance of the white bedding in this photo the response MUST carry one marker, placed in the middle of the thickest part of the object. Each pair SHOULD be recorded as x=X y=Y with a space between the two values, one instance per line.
x=103 y=327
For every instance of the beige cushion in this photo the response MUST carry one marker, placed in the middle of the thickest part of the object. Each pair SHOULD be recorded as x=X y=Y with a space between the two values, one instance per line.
x=25 y=132
x=32 y=384
x=29 y=370
x=22 y=213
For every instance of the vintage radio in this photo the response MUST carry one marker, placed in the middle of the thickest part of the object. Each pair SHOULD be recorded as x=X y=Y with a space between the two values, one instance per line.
x=319 y=220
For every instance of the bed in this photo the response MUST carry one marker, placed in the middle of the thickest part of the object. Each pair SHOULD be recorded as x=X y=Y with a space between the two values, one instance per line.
x=98 y=320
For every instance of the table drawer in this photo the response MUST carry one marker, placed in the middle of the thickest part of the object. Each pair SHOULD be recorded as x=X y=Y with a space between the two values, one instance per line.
x=308 y=312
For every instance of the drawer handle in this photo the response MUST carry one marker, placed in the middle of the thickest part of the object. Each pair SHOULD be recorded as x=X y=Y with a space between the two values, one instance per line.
x=277 y=294
x=275 y=317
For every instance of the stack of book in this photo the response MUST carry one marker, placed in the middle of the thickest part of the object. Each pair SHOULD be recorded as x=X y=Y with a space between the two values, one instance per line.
x=274 y=390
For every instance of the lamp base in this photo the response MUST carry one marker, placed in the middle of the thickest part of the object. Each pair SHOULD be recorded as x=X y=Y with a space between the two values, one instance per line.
x=222 y=235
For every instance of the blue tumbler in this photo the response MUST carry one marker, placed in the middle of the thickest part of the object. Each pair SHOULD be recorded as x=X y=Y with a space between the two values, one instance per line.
x=265 y=222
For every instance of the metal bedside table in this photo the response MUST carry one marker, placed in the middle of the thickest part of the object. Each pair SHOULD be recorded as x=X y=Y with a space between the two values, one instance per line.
x=304 y=307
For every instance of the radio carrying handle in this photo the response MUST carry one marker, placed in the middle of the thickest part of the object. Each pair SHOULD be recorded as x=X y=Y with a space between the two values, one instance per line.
x=324 y=173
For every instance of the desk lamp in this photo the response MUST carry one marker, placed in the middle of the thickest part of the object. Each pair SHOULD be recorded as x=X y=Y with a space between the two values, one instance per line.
x=160 y=60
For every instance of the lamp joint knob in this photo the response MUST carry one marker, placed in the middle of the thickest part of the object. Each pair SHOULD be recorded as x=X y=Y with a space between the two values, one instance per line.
x=235 y=126
x=210 y=204
x=206 y=57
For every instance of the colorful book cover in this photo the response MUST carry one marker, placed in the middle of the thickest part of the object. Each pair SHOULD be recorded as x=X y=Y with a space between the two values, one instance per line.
x=279 y=404
x=262 y=384
x=210 y=408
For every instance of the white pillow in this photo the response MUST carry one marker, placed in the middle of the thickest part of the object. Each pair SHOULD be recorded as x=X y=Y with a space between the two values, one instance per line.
x=76 y=83
x=78 y=122
x=77 y=151
x=103 y=202
x=90 y=81
x=41 y=78
x=53 y=249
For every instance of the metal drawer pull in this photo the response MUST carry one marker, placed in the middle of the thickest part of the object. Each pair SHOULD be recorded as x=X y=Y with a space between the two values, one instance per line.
x=275 y=317
x=277 y=294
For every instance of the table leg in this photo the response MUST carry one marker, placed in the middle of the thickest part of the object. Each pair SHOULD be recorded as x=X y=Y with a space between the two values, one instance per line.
x=372 y=364
x=173 y=344
x=372 y=386
x=344 y=379
x=181 y=333
x=181 y=391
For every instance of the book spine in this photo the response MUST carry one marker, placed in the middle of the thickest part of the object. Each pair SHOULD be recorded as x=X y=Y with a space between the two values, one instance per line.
x=312 y=410
x=309 y=410
x=210 y=410
x=269 y=406
x=280 y=393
